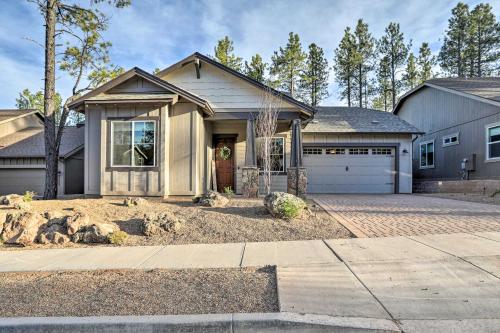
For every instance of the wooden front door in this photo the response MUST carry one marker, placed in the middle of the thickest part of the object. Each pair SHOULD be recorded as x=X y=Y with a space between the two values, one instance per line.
x=224 y=163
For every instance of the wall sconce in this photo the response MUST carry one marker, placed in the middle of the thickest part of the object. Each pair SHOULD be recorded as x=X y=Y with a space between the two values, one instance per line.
x=405 y=151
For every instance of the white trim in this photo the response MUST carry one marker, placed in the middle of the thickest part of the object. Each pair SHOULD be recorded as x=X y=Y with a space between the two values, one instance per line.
x=487 y=151
x=449 y=136
x=284 y=155
x=420 y=154
x=132 y=144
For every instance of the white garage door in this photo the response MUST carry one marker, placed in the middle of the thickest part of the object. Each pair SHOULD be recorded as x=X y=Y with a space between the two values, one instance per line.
x=22 y=180
x=350 y=169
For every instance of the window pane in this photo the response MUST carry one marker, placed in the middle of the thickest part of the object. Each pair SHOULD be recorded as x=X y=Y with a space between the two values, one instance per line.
x=122 y=143
x=144 y=154
x=423 y=155
x=494 y=134
x=494 y=150
x=430 y=154
x=276 y=154
x=144 y=132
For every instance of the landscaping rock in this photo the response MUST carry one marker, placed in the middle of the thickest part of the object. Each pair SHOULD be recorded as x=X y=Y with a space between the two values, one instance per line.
x=2 y=221
x=54 y=215
x=154 y=224
x=11 y=199
x=55 y=230
x=284 y=205
x=22 y=228
x=212 y=199
x=130 y=202
x=75 y=222
x=22 y=205
x=94 y=233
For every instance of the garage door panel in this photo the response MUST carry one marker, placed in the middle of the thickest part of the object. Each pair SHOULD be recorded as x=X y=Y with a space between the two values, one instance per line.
x=22 y=180
x=365 y=173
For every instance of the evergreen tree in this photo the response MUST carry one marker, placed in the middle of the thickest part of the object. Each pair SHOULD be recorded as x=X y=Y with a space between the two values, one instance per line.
x=392 y=46
x=453 y=57
x=288 y=64
x=425 y=62
x=484 y=40
x=344 y=65
x=363 y=57
x=314 y=80
x=383 y=76
x=256 y=69
x=410 y=77
x=29 y=100
x=224 y=53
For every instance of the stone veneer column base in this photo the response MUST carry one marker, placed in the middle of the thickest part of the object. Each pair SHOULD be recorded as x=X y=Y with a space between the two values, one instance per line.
x=250 y=182
x=292 y=181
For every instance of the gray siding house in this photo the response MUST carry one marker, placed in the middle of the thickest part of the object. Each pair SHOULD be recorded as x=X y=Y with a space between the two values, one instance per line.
x=461 y=121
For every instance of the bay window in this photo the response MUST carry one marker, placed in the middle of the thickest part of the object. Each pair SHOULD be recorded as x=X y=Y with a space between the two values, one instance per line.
x=133 y=143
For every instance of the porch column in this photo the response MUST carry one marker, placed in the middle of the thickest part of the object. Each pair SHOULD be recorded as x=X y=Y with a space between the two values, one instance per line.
x=296 y=174
x=250 y=172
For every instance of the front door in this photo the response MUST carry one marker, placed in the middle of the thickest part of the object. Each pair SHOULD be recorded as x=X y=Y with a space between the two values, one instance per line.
x=224 y=163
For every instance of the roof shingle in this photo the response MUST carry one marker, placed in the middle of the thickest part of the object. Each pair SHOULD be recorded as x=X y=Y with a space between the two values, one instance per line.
x=339 y=119
x=485 y=87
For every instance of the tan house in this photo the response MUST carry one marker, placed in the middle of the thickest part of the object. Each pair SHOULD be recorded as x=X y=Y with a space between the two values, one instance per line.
x=185 y=130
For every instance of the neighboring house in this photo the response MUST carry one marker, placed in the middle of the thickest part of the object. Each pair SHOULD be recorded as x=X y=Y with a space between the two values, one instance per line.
x=191 y=127
x=22 y=154
x=461 y=121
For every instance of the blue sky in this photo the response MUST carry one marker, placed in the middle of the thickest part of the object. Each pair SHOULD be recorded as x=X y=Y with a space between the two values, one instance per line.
x=156 y=33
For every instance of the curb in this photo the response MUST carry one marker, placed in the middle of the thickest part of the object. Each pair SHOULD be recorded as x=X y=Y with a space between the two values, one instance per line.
x=230 y=323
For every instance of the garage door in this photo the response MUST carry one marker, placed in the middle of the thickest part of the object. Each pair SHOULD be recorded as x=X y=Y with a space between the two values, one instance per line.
x=350 y=169
x=22 y=180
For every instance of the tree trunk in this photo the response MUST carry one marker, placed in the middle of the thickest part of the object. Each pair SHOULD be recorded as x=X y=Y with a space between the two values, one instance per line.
x=349 y=89
x=360 y=80
x=393 y=82
x=51 y=147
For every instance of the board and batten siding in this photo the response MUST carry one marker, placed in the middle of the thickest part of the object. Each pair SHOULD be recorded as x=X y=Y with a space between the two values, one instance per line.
x=404 y=140
x=439 y=113
x=100 y=177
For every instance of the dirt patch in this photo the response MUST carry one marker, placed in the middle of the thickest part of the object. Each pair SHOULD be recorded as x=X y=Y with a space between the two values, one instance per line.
x=242 y=220
x=138 y=292
x=470 y=197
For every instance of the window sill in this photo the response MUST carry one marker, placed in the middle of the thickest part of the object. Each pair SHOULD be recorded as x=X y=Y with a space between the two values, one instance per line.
x=492 y=160
x=138 y=169
x=451 y=144
x=427 y=167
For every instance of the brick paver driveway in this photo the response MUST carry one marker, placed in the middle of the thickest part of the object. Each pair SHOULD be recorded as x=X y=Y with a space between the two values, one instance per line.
x=404 y=215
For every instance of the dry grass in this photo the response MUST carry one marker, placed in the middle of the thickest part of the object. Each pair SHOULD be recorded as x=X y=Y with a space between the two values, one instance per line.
x=243 y=220
x=138 y=292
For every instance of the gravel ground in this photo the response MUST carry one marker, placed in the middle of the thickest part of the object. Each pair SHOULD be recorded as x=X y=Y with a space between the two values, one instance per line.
x=137 y=292
x=471 y=197
x=243 y=220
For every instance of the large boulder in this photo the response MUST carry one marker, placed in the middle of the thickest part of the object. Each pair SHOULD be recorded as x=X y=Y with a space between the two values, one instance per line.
x=11 y=199
x=212 y=199
x=75 y=222
x=22 y=228
x=94 y=233
x=55 y=230
x=154 y=224
x=284 y=205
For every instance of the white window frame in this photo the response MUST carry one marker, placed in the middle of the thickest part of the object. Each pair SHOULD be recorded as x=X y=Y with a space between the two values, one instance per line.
x=275 y=172
x=449 y=136
x=420 y=155
x=487 y=155
x=132 y=143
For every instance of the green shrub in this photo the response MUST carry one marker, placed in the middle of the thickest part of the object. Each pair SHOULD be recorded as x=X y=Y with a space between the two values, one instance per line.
x=290 y=210
x=118 y=237
x=228 y=191
x=28 y=196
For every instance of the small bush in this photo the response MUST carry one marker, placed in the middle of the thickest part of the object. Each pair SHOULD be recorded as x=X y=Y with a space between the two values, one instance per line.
x=228 y=191
x=290 y=210
x=28 y=196
x=118 y=237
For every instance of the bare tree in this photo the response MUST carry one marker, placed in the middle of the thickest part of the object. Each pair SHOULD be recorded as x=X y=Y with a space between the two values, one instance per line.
x=266 y=125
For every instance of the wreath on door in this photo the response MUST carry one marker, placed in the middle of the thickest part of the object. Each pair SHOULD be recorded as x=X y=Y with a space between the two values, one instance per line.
x=225 y=153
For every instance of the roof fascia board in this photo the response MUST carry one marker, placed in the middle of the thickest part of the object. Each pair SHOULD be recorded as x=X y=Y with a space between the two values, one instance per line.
x=36 y=112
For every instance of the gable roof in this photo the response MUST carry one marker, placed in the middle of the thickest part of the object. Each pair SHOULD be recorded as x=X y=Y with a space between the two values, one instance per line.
x=29 y=142
x=136 y=71
x=307 y=108
x=11 y=114
x=341 y=119
x=486 y=89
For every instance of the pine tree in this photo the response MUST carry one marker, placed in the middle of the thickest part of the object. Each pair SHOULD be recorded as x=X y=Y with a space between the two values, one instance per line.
x=392 y=46
x=256 y=69
x=383 y=77
x=484 y=40
x=288 y=64
x=425 y=62
x=224 y=53
x=363 y=57
x=314 y=80
x=344 y=65
x=410 y=77
x=452 y=57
